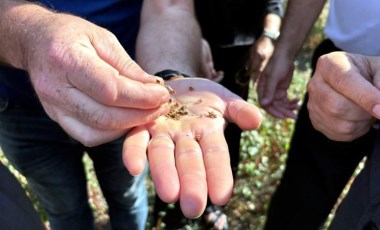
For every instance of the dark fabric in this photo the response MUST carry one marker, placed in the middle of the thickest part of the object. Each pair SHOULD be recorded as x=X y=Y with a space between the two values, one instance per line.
x=16 y=210
x=360 y=210
x=231 y=61
x=52 y=163
x=317 y=169
x=222 y=20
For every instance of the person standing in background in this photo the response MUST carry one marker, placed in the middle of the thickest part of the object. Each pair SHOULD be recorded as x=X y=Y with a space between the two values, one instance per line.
x=317 y=168
x=241 y=35
x=344 y=104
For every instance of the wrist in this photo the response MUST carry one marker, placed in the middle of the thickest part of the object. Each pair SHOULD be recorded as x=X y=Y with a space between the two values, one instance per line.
x=19 y=20
x=271 y=34
x=169 y=74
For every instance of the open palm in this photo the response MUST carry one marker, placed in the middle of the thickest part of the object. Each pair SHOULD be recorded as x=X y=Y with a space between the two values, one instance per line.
x=187 y=151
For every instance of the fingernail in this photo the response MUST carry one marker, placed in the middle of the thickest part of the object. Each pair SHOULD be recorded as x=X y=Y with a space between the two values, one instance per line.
x=165 y=98
x=159 y=80
x=376 y=111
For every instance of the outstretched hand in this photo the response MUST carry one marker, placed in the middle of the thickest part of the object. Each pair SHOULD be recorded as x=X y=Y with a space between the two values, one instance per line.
x=187 y=151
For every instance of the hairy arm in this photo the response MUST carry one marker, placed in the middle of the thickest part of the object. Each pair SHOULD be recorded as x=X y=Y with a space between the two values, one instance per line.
x=102 y=91
x=169 y=37
x=16 y=20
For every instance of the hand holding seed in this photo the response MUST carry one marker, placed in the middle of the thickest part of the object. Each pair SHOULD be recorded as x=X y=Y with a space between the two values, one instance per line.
x=187 y=151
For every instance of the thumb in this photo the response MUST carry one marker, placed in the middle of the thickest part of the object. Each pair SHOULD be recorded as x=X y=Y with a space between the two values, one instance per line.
x=265 y=89
x=268 y=85
x=111 y=51
x=245 y=115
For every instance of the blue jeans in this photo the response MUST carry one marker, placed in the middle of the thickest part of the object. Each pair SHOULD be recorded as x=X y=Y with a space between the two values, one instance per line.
x=52 y=163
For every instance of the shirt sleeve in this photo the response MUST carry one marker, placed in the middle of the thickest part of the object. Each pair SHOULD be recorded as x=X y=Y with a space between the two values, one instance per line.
x=275 y=7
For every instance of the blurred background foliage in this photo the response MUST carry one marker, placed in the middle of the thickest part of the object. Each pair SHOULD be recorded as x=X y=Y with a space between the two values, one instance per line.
x=263 y=154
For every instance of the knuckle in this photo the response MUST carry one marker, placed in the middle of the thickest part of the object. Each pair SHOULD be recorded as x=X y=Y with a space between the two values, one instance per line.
x=87 y=141
x=59 y=53
x=346 y=128
x=43 y=87
x=216 y=150
x=108 y=89
x=311 y=86
x=336 y=107
x=150 y=117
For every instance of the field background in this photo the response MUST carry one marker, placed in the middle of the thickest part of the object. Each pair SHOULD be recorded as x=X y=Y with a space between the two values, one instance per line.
x=263 y=154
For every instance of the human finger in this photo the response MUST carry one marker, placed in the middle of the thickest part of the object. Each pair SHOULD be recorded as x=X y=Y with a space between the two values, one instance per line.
x=135 y=150
x=218 y=169
x=366 y=96
x=286 y=108
x=217 y=76
x=163 y=168
x=273 y=111
x=334 y=115
x=192 y=175
x=254 y=64
x=105 y=84
x=88 y=135
x=245 y=115
x=112 y=52
x=77 y=104
x=268 y=85
x=338 y=129
x=322 y=97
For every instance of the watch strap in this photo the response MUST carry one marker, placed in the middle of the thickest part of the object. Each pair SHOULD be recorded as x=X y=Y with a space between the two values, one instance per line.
x=272 y=34
x=168 y=74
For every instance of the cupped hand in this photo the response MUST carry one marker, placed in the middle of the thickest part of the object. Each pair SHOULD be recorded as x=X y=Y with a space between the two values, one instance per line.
x=344 y=94
x=188 y=154
x=87 y=82
x=272 y=87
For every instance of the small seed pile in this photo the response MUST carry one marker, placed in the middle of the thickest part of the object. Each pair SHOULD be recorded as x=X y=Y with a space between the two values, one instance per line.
x=177 y=110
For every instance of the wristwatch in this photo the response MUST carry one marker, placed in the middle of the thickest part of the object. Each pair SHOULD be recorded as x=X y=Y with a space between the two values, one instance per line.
x=169 y=74
x=272 y=34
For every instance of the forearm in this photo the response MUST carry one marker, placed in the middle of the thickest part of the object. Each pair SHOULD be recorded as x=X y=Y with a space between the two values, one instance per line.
x=299 y=19
x=169 y=37
x=272 y=22
x=16 y=20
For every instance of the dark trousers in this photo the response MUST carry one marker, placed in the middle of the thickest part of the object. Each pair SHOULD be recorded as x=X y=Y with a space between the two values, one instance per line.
x=360 y=210
x=317 y=169
x=52 y=163
x=16 y=210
